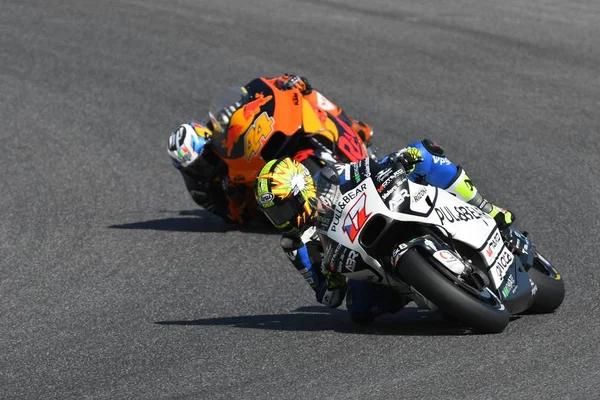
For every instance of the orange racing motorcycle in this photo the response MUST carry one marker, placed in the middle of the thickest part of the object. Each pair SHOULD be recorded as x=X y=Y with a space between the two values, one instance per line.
x=259 y=122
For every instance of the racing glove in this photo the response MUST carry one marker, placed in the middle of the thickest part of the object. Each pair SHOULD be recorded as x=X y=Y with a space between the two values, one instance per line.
x=287 y=82
x=408 y=157
x=332 y=290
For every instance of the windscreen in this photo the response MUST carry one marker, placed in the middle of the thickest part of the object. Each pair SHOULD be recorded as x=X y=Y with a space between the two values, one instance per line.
x=223 y=106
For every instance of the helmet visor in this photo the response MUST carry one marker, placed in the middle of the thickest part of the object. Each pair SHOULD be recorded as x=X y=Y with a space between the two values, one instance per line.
x=286 y=211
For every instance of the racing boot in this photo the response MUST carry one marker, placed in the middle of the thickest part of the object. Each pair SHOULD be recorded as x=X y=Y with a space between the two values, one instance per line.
x=463 y=188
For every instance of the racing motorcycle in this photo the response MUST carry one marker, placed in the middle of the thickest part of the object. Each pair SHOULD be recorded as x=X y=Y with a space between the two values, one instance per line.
x=268 y=123
x=440 y=251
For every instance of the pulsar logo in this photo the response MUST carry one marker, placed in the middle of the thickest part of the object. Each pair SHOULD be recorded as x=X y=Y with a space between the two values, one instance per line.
x=459 y=214
x=356 y=218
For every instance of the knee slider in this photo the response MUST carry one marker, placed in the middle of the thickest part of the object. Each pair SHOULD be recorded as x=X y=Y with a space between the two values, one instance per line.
x=433 y=147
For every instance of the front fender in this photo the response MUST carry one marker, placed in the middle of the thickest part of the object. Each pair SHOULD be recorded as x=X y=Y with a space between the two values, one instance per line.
x=433 y=246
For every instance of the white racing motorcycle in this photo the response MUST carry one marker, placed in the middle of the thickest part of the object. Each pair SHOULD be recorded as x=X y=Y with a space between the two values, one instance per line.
x=428 y=244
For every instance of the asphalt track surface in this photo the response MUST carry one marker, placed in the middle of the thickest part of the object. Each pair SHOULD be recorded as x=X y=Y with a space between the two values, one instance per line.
x=115 y=286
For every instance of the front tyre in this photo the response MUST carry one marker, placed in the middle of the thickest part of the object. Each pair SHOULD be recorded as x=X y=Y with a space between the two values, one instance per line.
x=550 y=286
x=479 y=309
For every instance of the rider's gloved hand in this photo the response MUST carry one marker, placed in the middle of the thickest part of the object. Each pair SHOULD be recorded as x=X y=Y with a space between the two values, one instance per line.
x=287 y=82
x=408 y=157
x=332 y=289
x=335 y=280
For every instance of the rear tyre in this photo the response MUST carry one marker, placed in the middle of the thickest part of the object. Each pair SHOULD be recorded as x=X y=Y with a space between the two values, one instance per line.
x=550 y=286
x=479 y=309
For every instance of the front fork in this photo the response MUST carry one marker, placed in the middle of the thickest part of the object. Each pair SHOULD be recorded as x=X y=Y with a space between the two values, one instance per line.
x=431 y=245
x=456 y=268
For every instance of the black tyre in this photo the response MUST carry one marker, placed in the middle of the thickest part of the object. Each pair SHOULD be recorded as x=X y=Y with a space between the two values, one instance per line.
x=479 y=309
x=550 y=286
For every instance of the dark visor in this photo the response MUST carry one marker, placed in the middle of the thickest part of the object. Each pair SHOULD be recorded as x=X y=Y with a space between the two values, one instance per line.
x=286 y=211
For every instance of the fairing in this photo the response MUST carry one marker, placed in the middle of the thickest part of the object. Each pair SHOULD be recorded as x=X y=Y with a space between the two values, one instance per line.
x=268 y=123
x=385 y=196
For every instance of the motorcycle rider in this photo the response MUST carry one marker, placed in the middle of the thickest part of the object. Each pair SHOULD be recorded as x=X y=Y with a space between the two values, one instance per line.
x=289 y=198
x=205 y=175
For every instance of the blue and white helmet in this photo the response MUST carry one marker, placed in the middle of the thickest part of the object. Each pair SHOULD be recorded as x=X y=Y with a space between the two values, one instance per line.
x=186 y=146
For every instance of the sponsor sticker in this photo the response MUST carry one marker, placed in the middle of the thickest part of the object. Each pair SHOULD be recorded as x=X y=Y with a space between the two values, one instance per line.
x=265 y=198
x=457 y=214
x=510 y=286
x=343 y=202
x=356 y=217
x=419 y=194
x=501 y=265
x=449 y=261
x=383 y=174
x=351 y=260
x=493 y=247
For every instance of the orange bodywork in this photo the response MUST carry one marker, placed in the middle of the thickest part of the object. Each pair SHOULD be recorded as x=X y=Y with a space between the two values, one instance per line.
x=287 y=112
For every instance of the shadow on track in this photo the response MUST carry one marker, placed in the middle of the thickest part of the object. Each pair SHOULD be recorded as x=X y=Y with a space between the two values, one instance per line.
x=195 y=221
x=408 y=322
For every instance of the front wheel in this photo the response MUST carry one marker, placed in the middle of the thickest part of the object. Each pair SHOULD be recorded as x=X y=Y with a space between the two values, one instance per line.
x=550 y=291
x=480 y=309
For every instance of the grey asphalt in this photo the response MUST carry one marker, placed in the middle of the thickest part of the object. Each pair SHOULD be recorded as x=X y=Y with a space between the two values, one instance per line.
x=113 y=285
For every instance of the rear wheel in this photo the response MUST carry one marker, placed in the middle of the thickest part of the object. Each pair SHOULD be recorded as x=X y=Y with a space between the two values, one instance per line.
x=480 y=309
x=550 y=286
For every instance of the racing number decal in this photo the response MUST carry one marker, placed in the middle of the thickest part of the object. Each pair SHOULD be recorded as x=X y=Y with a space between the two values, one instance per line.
x=257 y=133
x=356 y=218
x=351 y=147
